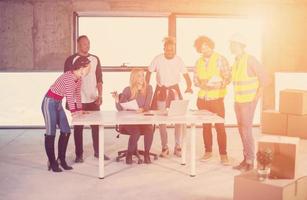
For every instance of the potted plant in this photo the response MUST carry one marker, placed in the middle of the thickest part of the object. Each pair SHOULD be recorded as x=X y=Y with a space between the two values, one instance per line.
x=264 y=158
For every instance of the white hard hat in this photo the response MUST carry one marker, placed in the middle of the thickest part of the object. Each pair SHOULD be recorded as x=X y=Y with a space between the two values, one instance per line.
x=238 y=38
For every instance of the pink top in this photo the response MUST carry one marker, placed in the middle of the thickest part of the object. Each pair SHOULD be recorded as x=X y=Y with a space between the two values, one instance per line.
x=67 y=86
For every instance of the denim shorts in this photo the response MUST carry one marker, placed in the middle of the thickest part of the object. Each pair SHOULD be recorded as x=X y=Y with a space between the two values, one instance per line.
x=54 y=115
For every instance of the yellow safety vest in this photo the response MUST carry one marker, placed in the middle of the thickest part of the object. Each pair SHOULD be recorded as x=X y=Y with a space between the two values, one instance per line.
x=206 y=73
x=245 y=86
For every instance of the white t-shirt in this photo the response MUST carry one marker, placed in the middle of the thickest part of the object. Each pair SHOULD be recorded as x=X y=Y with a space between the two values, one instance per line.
x=89 y=92
x=169 y=71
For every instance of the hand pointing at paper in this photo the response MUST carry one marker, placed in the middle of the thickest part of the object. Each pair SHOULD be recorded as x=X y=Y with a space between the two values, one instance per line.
x=115 y=96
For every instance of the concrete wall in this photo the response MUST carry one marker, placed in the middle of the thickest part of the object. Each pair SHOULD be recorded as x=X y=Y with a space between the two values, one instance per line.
x=37 y=35
x=16 y=38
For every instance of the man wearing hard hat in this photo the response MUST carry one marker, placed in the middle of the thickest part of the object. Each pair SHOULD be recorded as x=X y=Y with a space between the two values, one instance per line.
x=248 y=78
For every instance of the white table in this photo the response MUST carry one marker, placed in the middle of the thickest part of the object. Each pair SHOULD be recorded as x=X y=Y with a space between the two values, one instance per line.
x=107 y=118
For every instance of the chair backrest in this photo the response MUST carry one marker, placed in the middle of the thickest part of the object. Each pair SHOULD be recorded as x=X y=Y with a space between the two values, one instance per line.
x=120 y=129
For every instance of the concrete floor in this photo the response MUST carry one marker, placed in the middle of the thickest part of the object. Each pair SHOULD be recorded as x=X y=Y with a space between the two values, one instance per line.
x=24 y=175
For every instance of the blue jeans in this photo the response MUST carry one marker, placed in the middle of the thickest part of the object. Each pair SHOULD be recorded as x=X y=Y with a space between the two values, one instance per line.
x=54 y=115
x=245 y=115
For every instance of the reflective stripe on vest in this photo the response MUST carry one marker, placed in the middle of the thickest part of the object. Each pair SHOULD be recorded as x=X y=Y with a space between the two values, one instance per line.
x=205 y=73
x=245 y=86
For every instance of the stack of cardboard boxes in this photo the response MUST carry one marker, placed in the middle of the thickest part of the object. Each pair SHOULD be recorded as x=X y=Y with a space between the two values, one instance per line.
x=248 y=187
x=291 y=120
x=286 y=182
x=282 y=129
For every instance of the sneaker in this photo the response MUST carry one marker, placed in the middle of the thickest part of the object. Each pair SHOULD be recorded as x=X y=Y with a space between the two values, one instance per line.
x=240 y=166
x=207 y=156
x=224 y=160
x=79 y=159
x=177 y=151
x=164 y=153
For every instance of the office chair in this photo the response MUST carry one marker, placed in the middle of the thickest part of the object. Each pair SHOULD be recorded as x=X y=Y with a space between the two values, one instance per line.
x=122 y=154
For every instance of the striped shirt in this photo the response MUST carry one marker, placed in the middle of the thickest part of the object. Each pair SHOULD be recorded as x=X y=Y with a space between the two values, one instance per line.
x=89 y=91
x=67 y=86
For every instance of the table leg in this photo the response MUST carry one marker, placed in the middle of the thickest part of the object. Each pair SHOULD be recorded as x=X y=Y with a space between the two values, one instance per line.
x=193 y=151
x=184 y=144
x=101 y=152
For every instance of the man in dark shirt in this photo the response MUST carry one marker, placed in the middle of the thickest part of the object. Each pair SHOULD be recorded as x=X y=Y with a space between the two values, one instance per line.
x=91 y=95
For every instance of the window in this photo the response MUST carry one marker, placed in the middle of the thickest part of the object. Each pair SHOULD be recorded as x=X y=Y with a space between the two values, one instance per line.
x=219 y=30
x=132 y=41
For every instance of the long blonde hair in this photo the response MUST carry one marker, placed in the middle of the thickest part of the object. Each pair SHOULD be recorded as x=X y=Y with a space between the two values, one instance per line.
x=134 y=83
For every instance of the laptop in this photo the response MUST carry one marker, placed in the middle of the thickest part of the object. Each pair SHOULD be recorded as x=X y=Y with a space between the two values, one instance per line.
x=177 y=108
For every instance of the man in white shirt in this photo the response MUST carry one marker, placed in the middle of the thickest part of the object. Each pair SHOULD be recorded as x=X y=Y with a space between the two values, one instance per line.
x=168 y=67
x=91 y=94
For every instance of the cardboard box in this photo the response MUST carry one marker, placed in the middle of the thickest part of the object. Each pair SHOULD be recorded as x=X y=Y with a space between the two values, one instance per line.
x=274 y=122
x=297 y=126
x=285 y=153
x=293 y=102
x=248 y=187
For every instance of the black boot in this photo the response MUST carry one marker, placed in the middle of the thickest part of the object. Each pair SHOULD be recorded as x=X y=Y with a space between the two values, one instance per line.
x=147 y=157
x=49 y=147
x=62 y=146
x=129 y=158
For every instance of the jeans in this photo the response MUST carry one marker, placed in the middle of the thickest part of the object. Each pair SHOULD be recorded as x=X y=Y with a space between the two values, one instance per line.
x=217 y=107
x=78 y=131
x=163 y=132
x=245 y=115
x=54 y=115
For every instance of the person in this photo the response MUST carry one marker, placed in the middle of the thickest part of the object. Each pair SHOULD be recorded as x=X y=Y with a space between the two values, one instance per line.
x=140 y=91
x=212 y=74
x=91 y=95
x=168 y=67
x=249 y=79
x=67 y=85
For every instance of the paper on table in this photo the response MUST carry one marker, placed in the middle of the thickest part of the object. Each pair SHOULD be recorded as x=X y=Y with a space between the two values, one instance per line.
x=130 y=105
x=215 y=79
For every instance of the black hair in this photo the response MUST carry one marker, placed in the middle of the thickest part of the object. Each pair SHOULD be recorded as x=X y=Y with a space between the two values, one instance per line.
x=80 y=62
x=80 y=37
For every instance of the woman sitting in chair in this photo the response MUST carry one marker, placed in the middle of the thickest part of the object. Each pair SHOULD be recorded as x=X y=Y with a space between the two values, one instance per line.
x=142 y=93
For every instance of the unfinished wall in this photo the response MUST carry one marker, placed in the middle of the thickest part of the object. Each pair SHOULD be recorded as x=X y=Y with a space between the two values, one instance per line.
x=37 y=34
x=52 y=34
x=16 y=21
